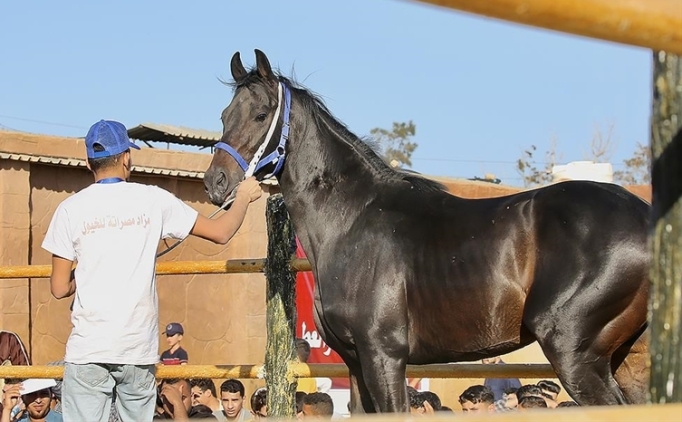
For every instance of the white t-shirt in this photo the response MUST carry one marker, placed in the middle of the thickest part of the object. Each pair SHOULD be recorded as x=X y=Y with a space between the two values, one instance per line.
x=113 y=232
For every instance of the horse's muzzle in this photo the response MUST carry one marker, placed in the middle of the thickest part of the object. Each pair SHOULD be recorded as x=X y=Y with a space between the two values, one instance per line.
x=215 y=184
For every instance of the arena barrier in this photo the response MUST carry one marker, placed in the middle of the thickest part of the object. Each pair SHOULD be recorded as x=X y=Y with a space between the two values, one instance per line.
x=654 y=24
x=305 y=370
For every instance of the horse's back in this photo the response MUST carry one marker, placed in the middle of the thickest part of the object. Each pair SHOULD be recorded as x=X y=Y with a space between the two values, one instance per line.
x=583 y=223
x=485 y=257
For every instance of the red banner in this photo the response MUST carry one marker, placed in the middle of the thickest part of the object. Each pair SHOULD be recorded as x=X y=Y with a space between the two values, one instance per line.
x=320 y=352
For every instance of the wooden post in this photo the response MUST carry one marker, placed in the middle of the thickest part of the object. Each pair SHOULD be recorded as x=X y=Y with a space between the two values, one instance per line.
x=665 y=307
x=281 y=311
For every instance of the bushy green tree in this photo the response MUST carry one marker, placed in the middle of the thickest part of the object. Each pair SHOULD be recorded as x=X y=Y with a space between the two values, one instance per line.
x=396 y=145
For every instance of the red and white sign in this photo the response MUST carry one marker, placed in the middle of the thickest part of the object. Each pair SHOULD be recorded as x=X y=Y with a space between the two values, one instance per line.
x=320 y=352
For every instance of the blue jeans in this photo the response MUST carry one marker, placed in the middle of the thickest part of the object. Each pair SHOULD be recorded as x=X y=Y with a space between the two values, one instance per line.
x=88 y=389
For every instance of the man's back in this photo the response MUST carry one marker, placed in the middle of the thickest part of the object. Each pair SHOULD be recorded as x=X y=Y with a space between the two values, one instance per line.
x=112 y=231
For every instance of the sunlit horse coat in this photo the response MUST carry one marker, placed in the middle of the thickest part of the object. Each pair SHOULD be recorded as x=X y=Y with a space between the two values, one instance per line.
x=407 y=273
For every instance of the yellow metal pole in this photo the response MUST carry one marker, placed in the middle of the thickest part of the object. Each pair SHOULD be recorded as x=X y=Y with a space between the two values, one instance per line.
x=232 y=266
x=454 y=370
x=669 y=412
x=331 y=370
x=654 y=24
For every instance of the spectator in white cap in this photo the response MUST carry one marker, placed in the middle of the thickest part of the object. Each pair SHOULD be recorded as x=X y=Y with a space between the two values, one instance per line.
x=175 y=355
x=111 y=229
x=36 y=395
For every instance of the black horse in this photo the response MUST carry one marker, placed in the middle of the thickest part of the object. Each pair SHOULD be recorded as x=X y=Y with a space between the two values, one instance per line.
x=407 y=273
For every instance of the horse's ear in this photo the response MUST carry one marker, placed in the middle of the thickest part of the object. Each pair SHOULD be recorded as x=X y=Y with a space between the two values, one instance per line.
x=263 y=66
x=238 y=71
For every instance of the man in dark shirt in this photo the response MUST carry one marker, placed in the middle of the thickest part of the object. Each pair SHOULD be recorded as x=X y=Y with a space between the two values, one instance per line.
x=175 y=355
x=500 y=385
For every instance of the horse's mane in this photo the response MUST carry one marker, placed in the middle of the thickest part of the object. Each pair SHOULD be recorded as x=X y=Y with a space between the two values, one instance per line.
x=367 y=147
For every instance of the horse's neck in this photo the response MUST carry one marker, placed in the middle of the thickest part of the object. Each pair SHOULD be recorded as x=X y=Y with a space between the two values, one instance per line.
x=325 y=185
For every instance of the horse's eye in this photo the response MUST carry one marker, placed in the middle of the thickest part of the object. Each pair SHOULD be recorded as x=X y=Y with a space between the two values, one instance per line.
x=261 y=117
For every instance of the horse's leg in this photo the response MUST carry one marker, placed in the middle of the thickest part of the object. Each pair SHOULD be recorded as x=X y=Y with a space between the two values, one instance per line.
x=358 y=391
x=632 y=370
x=583 y=371
x=579 y=352
x=383 y=370
x=360 y=401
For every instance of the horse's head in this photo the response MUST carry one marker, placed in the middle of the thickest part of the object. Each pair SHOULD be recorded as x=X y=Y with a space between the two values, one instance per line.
x=249 y=123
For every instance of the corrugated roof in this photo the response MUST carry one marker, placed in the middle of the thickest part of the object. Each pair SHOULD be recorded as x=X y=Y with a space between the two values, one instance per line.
x=75 y=162
x=174 y=134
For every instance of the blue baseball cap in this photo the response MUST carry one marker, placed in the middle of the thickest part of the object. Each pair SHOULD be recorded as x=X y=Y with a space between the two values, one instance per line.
x=174 y=328
x=111 y=135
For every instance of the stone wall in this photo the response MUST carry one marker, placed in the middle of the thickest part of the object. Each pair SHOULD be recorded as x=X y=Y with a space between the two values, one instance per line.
x=14 y=247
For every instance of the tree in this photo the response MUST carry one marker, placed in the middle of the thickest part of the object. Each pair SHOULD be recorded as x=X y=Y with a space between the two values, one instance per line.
x=637 y=168
x=395 y=145
x=535 y=173
x=602 y=146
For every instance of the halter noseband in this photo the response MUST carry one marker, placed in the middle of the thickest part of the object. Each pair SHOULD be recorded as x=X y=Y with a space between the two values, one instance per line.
x=278 y=155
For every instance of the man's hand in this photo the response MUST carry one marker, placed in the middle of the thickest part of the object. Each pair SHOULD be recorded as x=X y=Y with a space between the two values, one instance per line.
x=173 y=398
x=11 y=394
x=250 y=188
x=172 y=395
x=223 y=228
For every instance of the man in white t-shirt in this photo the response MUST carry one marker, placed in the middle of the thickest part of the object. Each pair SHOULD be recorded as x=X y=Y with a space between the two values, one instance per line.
x=112 y=229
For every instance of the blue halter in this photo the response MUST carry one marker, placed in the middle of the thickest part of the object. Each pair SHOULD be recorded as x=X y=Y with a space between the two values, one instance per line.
x=275 y=157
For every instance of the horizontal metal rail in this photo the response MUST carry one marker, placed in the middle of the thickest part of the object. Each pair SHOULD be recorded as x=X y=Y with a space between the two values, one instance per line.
x=231 y=266
x=655 y=24
x=331 y=370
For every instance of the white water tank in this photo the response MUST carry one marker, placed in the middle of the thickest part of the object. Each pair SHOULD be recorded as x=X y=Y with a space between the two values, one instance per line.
x=583 y=170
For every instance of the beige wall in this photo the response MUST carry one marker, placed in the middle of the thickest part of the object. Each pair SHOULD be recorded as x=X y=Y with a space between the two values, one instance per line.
x=14 y=246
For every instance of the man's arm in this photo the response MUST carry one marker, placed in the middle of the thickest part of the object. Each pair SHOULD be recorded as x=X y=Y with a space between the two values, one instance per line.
x=62 y=282
x=222 y=229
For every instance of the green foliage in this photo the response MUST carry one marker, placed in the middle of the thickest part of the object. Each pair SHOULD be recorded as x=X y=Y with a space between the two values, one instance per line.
x=532 y=172
x=636 y=171
x=395 y=145
x=637 y=168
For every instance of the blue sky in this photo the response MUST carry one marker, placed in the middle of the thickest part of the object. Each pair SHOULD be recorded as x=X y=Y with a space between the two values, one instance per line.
x=480 y=91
